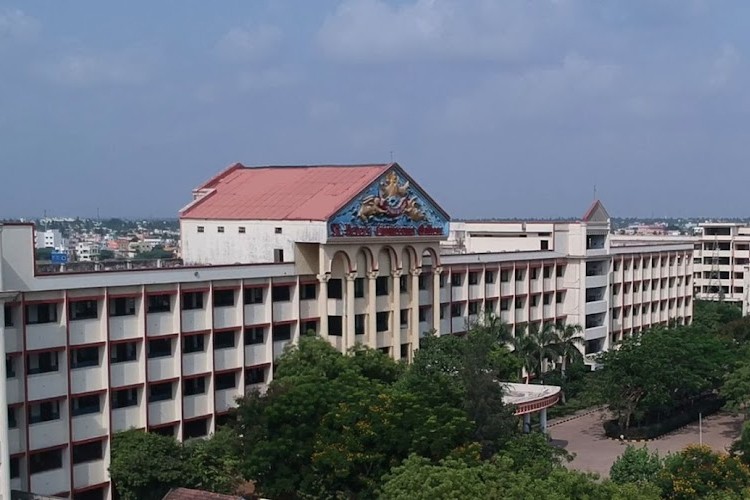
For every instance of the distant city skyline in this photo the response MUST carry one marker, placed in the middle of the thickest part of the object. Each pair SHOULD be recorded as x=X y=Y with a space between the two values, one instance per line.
x=505 y=109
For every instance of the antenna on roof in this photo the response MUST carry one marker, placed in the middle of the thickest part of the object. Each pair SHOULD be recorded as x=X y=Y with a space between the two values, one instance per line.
x=594 y=192
x=391 y=156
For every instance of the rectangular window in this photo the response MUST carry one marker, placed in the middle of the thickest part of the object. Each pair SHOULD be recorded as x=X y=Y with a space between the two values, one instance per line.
x=489 y=277
x=15 y=467
x=520 y=274
x=382 y=321
x=84 y=357
x=473 y=307
x=456 y=310
x=505 y=304
x=87 y=452
x=281 y=293
x=443 y=310
x=83 y=309
x=121 y=353
x=473 y=278
x=547 y=272
x=223 y=298
x=308 y=291
x=193 y=343
x=12 y=422
x=43 y=362
x=534 y=273
x=443 y=278
x=193 y=386
x=282 y=332
x=160 y=392
x=45 y=460
x=520 y=301
x=547 y=299
x=310 y=327
x=254 y=335
x=84 y=405
x=159 y=348
x=278 y=255
x=8 y=311
x=404 y=318
x=335 y=289
x=560 y=271
x=44 y=412
x=335 y=326
x=534 y=300
x=124 y=398
x=381 y=285
x=504 y=276
x=10 y=366
x=253 y=295
x=457 y=279
x=544 y=244
x=37 y=314
x=224 y=340
x=359 y=324
x=255 y=376
x=241 y=229
x=220 y=229
x=359 y=288
x=201 y=229
x=559 y=297
x=192 y=301
x=159 y=303
x=277 y=230
x=224 y=381
x=423 y=312
x=403 y=283
x=122 y=306
x=195 y=429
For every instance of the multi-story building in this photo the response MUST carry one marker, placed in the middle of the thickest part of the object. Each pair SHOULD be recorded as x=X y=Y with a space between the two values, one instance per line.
x=87 y=252
x=352 y=253
x=721 y=260
x=51 y=238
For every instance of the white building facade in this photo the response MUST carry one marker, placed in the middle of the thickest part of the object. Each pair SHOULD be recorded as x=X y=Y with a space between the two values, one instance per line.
x=51 y=238
x=169 y=350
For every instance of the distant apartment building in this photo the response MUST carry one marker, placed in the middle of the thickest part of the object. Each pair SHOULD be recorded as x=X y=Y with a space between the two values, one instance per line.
x=87 y=252
x=356 y=254
x=721 y=261
x=50 y=238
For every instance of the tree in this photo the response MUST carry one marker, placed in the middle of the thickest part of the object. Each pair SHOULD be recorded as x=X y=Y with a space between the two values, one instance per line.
x=145 y=466
x=741 y=447
x=736 y=388
x=214 y=464
x=635 y=465
x=569 y=338
x=699 y=472
x=524 y=351
x=544 y=346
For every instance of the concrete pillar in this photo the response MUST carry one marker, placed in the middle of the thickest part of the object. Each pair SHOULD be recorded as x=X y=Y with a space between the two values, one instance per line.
x=323 y=303
x=396 y=315
x=4 y=449
x=414 y=332
x=543 y=420
x=436 y=299
x=349 y=311
x=526 y=423
x=372 y=331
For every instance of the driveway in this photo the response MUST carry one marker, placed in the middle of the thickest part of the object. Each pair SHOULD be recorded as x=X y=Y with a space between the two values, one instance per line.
x=584 y=436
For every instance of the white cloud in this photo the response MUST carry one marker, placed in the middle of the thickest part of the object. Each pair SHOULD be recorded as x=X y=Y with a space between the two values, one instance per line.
x=85 y=69
x=374 y=31
x=240 y=44
x=267 y=79
x=17 y=26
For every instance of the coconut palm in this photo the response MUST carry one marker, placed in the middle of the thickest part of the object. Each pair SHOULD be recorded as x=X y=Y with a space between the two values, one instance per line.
x=545 y=347
x=491 y=324
x=569 y=338
x=524 y=349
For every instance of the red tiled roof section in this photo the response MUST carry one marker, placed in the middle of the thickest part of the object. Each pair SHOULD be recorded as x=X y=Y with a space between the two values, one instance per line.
x=282 y=193
x=188 y=494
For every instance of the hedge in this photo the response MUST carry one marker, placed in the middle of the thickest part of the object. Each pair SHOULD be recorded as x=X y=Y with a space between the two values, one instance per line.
x=706 y=406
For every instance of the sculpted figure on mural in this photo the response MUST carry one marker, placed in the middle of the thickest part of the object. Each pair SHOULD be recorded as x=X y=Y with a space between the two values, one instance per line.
x=391 y=202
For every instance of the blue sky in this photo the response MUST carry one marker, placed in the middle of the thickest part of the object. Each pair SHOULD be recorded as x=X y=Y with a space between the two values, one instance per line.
x=505 y=108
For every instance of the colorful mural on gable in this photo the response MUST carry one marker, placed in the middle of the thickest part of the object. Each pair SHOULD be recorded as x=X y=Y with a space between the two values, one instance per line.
x=389 y=207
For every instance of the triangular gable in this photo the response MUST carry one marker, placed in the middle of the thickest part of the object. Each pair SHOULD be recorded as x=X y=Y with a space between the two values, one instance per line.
x=596 y=213
x=392 y=206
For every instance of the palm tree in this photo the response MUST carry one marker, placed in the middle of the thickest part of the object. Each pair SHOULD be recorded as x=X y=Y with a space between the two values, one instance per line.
x=569 y=337
x=491 y=324
x=523 y=347
x=544 y=340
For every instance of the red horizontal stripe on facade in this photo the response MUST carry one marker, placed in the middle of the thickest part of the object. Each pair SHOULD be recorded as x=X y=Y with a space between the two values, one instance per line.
x=85 y=297
x=88 y=393
x=200 y=417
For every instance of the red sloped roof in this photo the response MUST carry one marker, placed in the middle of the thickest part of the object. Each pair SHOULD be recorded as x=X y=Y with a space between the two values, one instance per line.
x=281 y=193
x=188 y=494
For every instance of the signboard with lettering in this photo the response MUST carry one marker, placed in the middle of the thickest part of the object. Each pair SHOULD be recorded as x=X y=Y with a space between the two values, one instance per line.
x=390 y=207
x=59 y=257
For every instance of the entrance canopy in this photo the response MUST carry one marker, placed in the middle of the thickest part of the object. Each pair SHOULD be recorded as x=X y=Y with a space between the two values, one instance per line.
x=530 y=398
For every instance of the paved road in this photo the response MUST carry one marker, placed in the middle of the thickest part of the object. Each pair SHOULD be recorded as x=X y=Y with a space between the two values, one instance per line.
x=584 y=436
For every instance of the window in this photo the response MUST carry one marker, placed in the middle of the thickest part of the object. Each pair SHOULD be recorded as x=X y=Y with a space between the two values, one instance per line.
x=164 y=430
x=456 y=310
x=359 y=324
x=12 y=422
x=123 y=352
x=423 y=311
x=504 y=304
x=335 y=289
x=544 y=244
x=520 y=274
x=520 y=302
x=473 y=308
x=442 y=280
x=359 y=288
x=10 y=366
x=124 y=398
x=45 y=460
x=254 y=335
x=201 y=229
x=255 y=376
x=534 y=300
x=489 y=277
x=44 y=412
x=560 y=271
x=160 y=392
x=382 y=321
x=278 y=255
x=559 y=297
x=224 y=340
x=193 y=386
x=281 y=293
x=504 y=276
x=195 y=428
x=41 y=313
x=404 y=318
x=122 y=306
x=225 y=381
x=533 y=273
x=220 y=229
x=192 y=300
x=422 y=282
x=15 y=468
x=43 y=362
x=443 y=310
x=159 y=348
x=253 y=295
x=159 y=303
x=381 y=285
x=194 y=343
x=547 y=300
x=547 y=272
x=83 y=309
x=404 y=351
x=473 y=278
x=308 y=291
x=277 y=230
x=223 y=298
x=282 y=332
x=241 y=229
x=457 y=279
x=403 y=283
x=310 y=327
x=84 y=357
x=87 y=452
x=84 y=405
x=335 y=326
x=8 y=310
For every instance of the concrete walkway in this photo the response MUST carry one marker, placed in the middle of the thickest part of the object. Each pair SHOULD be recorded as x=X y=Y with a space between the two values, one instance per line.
x=584 y=436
